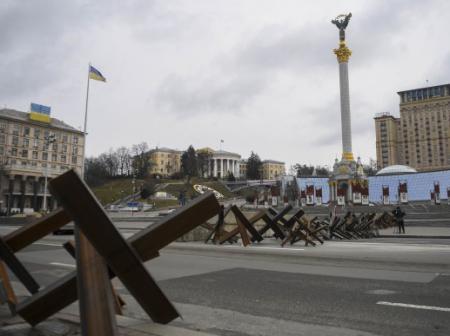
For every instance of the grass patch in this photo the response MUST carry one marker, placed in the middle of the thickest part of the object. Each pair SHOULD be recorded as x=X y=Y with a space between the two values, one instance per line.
x=115 y=189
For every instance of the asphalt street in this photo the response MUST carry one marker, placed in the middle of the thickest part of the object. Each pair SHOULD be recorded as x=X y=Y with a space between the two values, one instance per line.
x=374 y=287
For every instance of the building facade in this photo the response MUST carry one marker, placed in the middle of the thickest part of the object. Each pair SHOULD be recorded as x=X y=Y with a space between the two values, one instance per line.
x=33 y=146
x=224 y=163
x=420 y=137
x=272 y=170
x=165 y=161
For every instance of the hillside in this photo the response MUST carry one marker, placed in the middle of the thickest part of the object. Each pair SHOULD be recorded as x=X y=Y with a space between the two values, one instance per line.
x=119 y=188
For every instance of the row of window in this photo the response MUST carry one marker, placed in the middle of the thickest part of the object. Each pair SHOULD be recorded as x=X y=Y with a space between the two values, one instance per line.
x=24 y=153
x=34 y=164
x=37 y=133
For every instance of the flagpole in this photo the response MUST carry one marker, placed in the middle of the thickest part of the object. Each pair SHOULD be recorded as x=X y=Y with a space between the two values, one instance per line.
x=85 y=121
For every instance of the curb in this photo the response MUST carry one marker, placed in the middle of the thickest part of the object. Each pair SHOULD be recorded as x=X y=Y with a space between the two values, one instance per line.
x=413 y=236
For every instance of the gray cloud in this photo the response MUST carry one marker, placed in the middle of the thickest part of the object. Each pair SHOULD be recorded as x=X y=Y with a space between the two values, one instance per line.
x=186 y=97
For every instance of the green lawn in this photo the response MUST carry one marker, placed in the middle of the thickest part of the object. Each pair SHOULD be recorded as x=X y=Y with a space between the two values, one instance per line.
x=115 y=189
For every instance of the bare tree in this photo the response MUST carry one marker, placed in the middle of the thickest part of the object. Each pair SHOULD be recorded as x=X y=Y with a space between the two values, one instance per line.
x=124 y=161
x=141 y=159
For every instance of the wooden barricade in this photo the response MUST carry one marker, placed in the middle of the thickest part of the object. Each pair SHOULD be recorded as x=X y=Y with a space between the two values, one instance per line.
x=99 y=244
x=242 y=226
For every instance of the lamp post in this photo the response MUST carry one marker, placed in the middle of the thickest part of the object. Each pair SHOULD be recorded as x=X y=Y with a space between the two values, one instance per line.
x=48 y=140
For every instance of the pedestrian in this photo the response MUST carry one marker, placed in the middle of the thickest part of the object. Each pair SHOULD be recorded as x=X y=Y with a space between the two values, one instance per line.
x=399 y=214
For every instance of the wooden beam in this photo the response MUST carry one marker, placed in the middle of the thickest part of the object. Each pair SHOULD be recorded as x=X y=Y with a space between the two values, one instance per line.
x=73 y=194
x=96 y=306
x=28 y=234
x=17 y=268
x=147 y=243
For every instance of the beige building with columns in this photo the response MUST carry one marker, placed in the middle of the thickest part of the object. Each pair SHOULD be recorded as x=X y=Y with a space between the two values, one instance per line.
x=420 y=138
x=26 y=157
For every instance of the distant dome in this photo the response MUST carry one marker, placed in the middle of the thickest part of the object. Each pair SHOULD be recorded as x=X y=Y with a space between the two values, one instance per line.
x=396 y=170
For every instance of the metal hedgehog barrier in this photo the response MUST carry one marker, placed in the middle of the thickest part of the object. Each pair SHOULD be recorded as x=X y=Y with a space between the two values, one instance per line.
x=101 y=254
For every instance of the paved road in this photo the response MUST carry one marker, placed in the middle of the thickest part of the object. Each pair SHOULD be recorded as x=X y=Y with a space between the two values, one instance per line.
x=377 y=287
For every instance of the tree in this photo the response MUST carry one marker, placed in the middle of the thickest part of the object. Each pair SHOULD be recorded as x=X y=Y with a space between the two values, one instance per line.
x=203 y=162
x=124 y=161
x=148 y=189
x=254 y=166
x=95 y=171
x=231 y=177
x=304 y=170
x=141 y=160
x=189 y=164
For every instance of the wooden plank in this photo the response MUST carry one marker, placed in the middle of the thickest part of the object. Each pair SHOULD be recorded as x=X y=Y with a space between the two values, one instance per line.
x=17 y=268
x=28 y=234
x=10 y=295
x=69 y=246
x=244 y=221
x=147 y=243
x=96 y=306
x=84 y=208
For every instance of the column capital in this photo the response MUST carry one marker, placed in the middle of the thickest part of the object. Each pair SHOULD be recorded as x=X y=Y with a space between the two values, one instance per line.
x=343 y=53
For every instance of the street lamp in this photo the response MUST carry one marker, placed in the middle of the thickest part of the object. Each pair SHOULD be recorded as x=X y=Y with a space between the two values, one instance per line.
x=47 y=141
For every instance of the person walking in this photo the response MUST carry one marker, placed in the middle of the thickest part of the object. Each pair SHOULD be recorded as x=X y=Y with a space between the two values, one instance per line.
x=399 y=214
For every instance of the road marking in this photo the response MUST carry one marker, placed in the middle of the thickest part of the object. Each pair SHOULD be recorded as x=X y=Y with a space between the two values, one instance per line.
x=278 y=248
x=406 y=305
x=61 y=264
x=47 y=244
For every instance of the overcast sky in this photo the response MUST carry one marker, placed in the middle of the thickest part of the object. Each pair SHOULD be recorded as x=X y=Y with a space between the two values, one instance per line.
x=261 y=75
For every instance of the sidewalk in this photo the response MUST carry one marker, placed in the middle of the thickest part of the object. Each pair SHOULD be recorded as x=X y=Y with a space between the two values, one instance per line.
x=67 y=323
x=417 y=232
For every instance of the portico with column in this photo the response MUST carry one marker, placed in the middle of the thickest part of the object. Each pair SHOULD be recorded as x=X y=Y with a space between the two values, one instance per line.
x=224 y=163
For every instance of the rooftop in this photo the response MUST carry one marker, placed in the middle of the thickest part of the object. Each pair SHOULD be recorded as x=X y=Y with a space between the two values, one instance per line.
x=396 y=170
x=273 y=161
x=24 y=117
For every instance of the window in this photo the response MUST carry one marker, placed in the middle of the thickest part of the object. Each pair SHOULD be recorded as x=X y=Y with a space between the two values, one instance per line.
x=75 y=150
x=75 y=139
x=45 y=156
x=35 y=155
x=64 y=138
x=15 y=141
x=14 y=152
x=74 y=160
x=2 y=150
x=54 y=157
x=54 y=146
x=26 y=131
x=37 y=133
x=25 y=153
x=2 y=138
x=36 y=143
x=63 y=158
x=64 y=148
x=26 y=142
x=16 y=129
x=2 y=127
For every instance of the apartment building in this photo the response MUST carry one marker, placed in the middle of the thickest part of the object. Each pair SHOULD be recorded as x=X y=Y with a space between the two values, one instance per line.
x=272 y=169
x=420 y=137
x=165 y=161
x=33 y=146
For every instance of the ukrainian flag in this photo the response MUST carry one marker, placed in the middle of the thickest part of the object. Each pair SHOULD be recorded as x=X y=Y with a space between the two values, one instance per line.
x=95 y=74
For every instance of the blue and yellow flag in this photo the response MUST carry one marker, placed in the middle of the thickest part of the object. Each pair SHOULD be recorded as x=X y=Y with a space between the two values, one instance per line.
x=95 y=74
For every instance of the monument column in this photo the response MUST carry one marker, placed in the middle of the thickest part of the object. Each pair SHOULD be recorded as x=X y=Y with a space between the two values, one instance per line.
x=343 y=54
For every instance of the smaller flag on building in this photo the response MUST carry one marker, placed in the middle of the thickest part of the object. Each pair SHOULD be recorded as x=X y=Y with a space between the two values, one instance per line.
x=95 y=74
